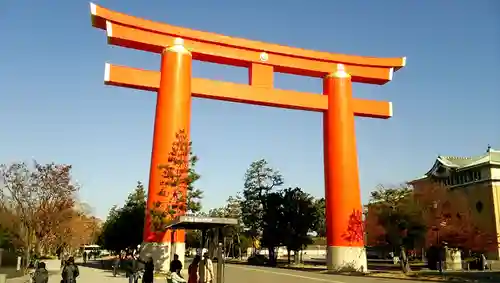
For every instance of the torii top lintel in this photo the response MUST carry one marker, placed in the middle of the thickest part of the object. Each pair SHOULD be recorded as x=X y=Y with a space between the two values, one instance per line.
x=261 y=59
x=146 y=35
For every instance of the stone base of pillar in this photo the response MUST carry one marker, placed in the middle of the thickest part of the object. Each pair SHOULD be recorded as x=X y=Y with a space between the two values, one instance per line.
x=346 y=259
x=160 y=252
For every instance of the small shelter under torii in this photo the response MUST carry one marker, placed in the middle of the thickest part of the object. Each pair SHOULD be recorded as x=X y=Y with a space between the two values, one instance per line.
x=175 y=87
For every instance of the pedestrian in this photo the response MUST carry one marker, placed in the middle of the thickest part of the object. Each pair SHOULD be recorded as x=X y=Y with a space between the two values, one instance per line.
x=484 y=262
x=70 y=271
x=149 y=268
x=85 y=257
x=193 y=275
x=41 y=274
x=116 y=265
x=63 y=260
x=209 y=268
x=132 y=269
x=176 y=265
x=174 y=275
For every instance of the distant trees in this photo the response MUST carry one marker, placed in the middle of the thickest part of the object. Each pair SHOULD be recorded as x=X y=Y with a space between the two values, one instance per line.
x=38 y=210
x=266 y=212
x=320 y=227
x=260 y=179
x=298 y=218
x=277 y=217
x=124 y=226
x=236 y=240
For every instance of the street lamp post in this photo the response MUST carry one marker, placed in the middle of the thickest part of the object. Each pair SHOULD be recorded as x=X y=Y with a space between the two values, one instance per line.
x=436 y=228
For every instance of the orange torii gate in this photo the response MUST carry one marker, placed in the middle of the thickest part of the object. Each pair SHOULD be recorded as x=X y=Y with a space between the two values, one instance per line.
x=175 y=87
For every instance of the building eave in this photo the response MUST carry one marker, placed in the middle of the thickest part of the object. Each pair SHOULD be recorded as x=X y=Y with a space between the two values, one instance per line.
x=418 y=179
x=438 y=164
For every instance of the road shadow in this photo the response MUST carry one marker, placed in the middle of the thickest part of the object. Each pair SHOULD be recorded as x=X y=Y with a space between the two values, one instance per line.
x=318 y=266
x=105 y=265
x=387 y=271
x=97 y=264
x=463 y=276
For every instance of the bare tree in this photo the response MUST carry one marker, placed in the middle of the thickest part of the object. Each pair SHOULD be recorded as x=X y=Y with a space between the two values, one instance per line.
x=79 y=230
x=39 y=198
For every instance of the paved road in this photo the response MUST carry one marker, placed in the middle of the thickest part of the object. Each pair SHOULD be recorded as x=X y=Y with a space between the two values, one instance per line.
x=238 y=274
x=253 y=274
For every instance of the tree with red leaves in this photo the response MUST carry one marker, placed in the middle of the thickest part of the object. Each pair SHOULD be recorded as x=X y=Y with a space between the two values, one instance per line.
x=450 y=220
x=375 y=233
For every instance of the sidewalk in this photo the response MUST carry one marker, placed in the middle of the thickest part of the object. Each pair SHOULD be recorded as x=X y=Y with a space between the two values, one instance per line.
x=87 y=275
x=92 y=275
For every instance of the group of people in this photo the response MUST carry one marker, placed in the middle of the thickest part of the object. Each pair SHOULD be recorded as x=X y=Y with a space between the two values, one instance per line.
x=69 y=272
x=41 y=275
x=175 y=275
x=88 y=256
x=134 y=267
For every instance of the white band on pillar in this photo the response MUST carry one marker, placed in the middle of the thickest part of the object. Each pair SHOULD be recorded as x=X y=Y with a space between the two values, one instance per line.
x=346 y=259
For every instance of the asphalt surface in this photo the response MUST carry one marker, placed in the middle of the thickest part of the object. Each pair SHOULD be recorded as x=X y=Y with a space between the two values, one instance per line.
x=254 y=274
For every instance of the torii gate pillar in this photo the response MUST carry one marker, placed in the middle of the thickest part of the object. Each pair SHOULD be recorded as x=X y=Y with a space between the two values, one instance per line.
x=345 y=245
x=173 y=114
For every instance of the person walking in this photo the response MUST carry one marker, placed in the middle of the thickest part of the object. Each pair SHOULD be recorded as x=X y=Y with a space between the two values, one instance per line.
x=209 y=269
x=70 y=271
x=193 y=275
x=116 y=265
x=41 y=274
x=132 y=269
x=149 y=268
x=63 y=260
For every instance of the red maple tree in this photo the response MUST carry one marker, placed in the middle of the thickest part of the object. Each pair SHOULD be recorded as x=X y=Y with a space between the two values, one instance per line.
x=449 y=219
x=375 y=233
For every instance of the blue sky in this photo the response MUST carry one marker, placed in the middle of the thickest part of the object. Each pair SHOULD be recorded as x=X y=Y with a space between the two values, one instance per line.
x=54 y=106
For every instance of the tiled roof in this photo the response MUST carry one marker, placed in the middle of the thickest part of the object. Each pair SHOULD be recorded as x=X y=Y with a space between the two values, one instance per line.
x=491 y=157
